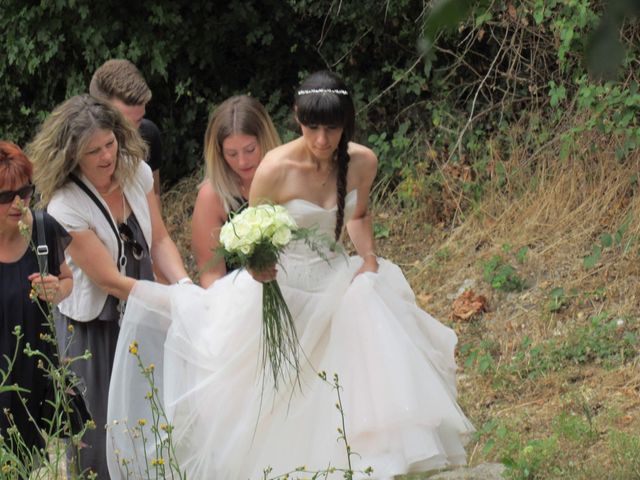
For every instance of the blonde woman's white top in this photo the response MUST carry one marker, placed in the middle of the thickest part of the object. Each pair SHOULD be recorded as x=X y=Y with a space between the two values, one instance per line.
x=74 y=210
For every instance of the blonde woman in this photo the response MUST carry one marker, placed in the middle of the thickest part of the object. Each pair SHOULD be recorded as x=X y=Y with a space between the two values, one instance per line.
x=89 y=170
x=239 y=134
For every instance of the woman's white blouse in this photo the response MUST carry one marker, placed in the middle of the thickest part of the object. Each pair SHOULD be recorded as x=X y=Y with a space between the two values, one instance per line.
x=76 y=212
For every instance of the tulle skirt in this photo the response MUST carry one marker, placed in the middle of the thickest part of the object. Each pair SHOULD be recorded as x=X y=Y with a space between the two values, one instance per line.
x=395 y=405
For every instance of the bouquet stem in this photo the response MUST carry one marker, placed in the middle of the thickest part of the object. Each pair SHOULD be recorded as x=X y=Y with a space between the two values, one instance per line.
x=280 y=341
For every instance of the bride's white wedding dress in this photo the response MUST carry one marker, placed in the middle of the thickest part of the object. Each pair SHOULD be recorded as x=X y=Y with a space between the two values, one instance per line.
x=394 y=361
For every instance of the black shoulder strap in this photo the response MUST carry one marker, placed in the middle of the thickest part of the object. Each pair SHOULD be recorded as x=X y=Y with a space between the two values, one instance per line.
x=42 y=249
x=104 y=211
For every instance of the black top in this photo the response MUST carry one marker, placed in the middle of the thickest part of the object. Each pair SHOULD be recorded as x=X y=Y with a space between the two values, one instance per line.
x=243 y=204
x=17 y=309
x=140 y=269
x=150 y=133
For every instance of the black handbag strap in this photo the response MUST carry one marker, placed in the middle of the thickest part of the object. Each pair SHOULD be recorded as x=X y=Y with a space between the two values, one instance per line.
x=121 y=258
x=42 y=249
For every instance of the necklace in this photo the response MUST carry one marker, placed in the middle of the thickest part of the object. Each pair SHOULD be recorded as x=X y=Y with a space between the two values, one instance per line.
x=328 y=174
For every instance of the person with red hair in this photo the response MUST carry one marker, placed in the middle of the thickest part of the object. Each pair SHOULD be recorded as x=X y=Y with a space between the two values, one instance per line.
x=21 y=281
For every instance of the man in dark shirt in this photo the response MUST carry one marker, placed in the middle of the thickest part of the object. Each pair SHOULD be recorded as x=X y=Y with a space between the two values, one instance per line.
x=119 y=82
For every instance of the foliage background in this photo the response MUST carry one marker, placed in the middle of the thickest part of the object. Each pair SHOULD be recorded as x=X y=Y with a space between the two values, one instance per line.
x=499 y=62
x=195 y=54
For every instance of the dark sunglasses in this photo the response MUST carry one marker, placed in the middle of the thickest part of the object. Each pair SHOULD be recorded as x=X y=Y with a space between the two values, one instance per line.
x=24 y=193
x=126 y=235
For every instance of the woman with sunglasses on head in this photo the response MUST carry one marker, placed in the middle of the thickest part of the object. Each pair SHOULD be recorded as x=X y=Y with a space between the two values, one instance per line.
x=90 y=172
x=239 y=133
x=355 y=317
x=20 y=274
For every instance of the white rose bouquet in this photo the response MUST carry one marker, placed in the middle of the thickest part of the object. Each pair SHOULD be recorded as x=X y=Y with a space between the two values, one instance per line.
x=255 y=238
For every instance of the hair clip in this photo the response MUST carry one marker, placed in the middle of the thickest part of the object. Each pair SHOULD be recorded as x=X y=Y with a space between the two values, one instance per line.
x=322 y=90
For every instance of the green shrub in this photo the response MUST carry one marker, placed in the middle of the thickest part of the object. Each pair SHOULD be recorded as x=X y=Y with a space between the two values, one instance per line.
x=456 y=88
x=502 y=275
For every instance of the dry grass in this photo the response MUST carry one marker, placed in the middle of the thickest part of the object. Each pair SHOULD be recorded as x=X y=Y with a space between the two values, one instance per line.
x=558 y=210
x=177 y=207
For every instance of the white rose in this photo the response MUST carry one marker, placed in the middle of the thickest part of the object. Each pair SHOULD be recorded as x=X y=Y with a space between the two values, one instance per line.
x=228 y=237
x=252 y=234
x=241 y=232
x=281 y=237
x=284 y=218
x=247 y=217
x=249 y=227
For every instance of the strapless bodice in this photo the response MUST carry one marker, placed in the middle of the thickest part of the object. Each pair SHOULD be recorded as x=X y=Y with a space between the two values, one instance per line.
x=309 y=215
x=302 y=266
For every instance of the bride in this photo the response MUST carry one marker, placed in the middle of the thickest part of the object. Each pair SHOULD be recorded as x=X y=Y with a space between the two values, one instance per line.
x=355 y=318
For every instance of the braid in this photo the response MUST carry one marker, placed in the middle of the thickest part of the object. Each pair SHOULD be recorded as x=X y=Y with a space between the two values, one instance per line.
x=341 y=181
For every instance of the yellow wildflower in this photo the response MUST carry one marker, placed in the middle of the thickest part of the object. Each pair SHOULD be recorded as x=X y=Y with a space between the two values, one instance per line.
x=133 y=348
x=142 y=422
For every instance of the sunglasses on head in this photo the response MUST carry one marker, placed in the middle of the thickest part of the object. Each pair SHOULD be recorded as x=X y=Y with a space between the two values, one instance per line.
x=24 y=193
x=126 y=235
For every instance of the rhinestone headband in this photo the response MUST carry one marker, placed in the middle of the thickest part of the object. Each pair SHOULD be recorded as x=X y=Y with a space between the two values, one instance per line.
x=322 y=90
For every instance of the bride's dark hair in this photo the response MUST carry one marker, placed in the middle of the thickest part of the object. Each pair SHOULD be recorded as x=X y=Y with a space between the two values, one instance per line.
x=323 y=99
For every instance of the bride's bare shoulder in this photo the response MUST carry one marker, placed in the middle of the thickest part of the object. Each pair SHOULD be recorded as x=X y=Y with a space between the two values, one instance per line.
x=278 y=158
x=362 y=158
x=272 y=173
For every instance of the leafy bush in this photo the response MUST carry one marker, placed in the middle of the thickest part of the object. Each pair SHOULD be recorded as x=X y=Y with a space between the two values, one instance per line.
x=195 y=55
x=457 y=88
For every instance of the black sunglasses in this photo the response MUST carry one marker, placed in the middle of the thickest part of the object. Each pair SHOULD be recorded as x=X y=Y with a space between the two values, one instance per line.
x=126 y=235
x=24 y=193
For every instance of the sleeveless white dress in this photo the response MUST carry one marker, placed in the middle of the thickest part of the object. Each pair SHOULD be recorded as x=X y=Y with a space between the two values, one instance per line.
x=395 y=365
